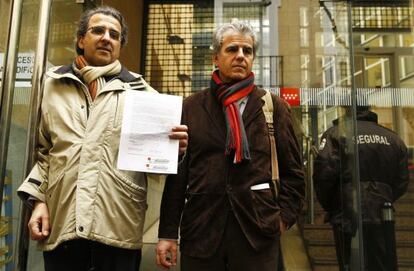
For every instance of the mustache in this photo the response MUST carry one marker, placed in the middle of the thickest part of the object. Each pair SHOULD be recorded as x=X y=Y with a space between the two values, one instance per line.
x=107 y=48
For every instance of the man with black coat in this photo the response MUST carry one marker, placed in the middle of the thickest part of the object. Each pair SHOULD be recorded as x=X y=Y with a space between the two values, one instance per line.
x=222 y=199
x=383 y=170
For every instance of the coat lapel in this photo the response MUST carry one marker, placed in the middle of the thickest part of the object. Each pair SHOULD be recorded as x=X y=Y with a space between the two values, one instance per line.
x=253 y=107
x=215 y=112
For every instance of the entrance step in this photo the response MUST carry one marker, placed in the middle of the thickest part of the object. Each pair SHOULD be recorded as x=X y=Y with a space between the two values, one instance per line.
x=319 y=241
x=324 y=232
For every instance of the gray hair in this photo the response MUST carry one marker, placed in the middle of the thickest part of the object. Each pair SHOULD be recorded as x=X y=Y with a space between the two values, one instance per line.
x=235 y=26
x=105 y=10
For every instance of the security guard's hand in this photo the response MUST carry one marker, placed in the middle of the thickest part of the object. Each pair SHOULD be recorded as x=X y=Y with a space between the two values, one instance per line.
x=39 y=226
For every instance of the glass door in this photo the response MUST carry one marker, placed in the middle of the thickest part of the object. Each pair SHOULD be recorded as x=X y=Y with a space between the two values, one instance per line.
x=14 y=113
x=61 y=49
x=380 y=58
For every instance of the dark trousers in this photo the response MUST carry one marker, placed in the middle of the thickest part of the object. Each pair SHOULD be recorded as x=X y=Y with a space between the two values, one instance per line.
x=375 y=252
x=235 y=254
x=85 y=255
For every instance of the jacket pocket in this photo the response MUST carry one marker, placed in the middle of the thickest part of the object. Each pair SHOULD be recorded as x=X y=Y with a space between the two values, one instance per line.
x=266 y=210
x=120 y=208
x=373 y=197
x=52 y=183
x=135 y=191
x=196 y=212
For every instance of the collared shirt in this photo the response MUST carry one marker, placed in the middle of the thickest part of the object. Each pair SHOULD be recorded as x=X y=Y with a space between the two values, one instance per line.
x=241 y=104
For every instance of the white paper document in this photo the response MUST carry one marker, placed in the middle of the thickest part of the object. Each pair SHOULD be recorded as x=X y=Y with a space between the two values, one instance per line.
x=147 y=121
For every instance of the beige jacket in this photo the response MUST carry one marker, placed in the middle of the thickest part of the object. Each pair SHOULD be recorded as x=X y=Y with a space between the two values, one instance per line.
x=76 y=173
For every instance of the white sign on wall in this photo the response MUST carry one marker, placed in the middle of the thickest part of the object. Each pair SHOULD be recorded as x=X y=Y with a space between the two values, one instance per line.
x=25 y=63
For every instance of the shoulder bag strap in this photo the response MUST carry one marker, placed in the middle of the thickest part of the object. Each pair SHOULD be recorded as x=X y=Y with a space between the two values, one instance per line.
x=268 y=112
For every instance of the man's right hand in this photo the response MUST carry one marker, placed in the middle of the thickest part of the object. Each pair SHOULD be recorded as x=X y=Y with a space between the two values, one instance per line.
x=39 y=226
x=166 y=253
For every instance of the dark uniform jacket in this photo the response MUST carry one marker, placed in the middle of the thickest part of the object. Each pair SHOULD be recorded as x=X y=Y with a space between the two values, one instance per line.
x=383 y=169
x=208 y=184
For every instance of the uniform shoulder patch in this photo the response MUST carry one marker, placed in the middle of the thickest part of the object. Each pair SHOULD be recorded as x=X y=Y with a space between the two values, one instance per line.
x=322 y=145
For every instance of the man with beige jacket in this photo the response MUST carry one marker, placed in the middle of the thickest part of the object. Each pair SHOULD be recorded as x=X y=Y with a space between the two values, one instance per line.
x=87 y=214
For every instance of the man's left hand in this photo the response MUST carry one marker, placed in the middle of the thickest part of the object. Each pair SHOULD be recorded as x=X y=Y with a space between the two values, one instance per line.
x=180 y=132
x=166 y=253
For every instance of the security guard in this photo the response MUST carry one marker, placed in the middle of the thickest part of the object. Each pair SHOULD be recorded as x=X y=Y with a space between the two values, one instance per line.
x=383 y=166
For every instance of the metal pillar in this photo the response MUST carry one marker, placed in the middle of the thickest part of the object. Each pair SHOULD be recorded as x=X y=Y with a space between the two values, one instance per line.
x=7 y=87
x=35 y=100
x=357 y=245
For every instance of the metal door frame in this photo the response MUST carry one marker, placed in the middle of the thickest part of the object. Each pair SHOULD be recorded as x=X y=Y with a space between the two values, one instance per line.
x=6 y=101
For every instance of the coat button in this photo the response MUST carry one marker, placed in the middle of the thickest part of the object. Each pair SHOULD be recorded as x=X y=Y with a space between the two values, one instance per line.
x=80 y=228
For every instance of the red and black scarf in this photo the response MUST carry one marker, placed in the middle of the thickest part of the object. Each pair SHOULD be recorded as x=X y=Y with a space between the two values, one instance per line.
x=228 y=94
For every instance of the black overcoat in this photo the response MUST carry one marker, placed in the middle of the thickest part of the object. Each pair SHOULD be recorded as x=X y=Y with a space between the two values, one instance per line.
x=208 y=185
